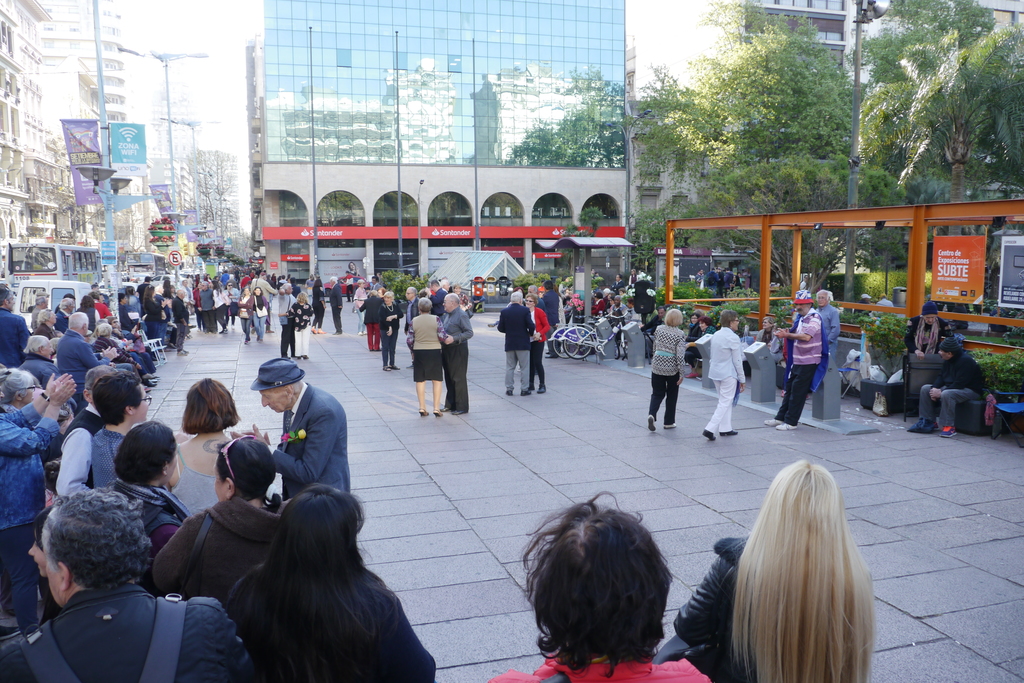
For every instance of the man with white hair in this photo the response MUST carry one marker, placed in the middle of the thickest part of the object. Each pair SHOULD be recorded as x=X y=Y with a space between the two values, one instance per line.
x=76 y=357
x=829 y=320
x=516 y=323
x=336 y=299
x=40 y=307
x=39 y=359
x=455 y=355
x=64 y=310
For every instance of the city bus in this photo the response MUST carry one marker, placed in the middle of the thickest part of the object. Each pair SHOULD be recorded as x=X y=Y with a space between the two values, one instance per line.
x=52 y=262
x=143 y=264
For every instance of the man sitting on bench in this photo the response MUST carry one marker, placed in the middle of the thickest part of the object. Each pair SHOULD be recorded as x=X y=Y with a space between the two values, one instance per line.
x=959 y=380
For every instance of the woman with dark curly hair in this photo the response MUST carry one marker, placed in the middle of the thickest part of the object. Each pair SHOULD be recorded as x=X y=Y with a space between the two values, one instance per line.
x=145 y=472
x=314 y=612
x=598 y=585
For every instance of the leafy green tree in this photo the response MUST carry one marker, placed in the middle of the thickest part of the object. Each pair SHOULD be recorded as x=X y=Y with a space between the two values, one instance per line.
x=921 y=22
x=972 y=104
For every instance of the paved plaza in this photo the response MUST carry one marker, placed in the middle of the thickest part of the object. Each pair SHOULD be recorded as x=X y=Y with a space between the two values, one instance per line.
x=450 y=502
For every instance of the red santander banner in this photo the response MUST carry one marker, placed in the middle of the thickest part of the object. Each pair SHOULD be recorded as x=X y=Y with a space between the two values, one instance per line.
x=390 y=232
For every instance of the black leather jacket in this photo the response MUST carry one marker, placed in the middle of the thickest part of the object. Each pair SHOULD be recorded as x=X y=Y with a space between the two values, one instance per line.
x=707 y=617
x=114 y=650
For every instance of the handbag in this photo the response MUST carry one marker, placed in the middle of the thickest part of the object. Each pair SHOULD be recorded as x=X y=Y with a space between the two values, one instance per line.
x=881 y=407
x=195 y=559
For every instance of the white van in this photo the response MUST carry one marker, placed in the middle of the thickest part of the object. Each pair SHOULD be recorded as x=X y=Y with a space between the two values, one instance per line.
x=53 y=289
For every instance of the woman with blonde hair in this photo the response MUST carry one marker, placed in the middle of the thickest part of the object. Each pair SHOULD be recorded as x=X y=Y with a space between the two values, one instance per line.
x=793 y=603
x=666 y=368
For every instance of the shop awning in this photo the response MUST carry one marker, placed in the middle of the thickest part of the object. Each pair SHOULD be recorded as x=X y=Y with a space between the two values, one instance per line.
x=585 y=243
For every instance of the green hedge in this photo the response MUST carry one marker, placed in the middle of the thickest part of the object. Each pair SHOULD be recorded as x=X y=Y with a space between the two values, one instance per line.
x=871 y=283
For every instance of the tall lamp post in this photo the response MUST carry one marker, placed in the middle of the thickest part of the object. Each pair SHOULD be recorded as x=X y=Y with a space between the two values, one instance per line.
x=866 y=12
x=627 y=128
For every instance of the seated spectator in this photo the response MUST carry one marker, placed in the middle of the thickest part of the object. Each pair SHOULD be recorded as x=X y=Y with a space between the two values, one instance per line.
x=959 y=380
x=64 y=310
x=736 y=623
x=104 y=339
x=95 y=550
x=39 y=359
x=122 y=404
x=209 y=412
x=657 y=319
x=145 y=472
x=45 y=325
x=598 y=584
x=38 y=310
x=704 y=328
x=313 y=609
x=926 y=331
x=241 y=526
x=17 y=388
x=88 y=306
x=75 y=355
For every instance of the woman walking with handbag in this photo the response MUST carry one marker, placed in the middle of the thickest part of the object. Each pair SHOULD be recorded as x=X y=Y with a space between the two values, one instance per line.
x=666 y=368
x=360 y=299
x=245 y=304
x=260 y=312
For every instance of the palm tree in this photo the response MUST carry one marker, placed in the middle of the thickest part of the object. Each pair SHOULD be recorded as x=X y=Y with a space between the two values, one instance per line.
x=971 y=107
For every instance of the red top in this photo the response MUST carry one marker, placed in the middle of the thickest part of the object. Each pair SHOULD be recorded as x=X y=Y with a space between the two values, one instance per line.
x=676 y=672
x=102 y=309
x=540 y=322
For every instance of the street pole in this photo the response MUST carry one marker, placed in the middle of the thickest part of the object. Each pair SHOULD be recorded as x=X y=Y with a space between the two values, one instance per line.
x=476 y=167
x=108 y=210
x=195 y=177
x=398 y=150
x=851 y=193
x=170 y=135
x=312 y=158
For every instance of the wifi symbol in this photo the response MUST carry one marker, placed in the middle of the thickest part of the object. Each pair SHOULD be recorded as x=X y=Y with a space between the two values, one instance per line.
x=129 y=133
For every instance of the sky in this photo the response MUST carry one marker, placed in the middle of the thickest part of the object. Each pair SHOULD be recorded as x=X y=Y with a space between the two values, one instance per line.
x=664 y=34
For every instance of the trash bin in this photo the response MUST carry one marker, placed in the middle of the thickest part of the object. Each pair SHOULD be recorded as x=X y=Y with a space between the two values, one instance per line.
x=504 y=285
x=492 y=287
x=762 y=373
x=636 y=351
x=899 y=297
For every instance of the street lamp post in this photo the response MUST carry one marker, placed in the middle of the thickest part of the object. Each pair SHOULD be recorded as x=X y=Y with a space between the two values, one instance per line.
x=866 y=12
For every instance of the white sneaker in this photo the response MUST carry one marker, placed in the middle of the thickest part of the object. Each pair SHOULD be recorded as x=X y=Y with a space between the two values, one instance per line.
x=785 y=427
x=772 y=422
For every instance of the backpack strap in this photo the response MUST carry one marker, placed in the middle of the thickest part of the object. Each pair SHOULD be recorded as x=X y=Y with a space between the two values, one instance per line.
x=165 y=644
x=195 y=560
x=45 y=658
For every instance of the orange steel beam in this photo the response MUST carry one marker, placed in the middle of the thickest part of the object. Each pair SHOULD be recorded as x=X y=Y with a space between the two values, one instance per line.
x=798 y=250
x=670 y=264
x=766 y=267
x=917 y=260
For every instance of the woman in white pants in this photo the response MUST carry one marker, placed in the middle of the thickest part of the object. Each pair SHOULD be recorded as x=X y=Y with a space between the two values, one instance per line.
x=726 y=370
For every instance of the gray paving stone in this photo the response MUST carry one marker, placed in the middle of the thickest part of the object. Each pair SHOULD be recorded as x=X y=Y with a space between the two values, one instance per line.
x=406 y=506
x=421 y=545
x=893 y=628
x=440 y=571
x=950 y=533
x=993 y=632
x=941 y=662
x=395 y=492
x=898 y=465
x=1002 y=558
x=866 y=533
x=903 y=558
x=697 y=539
x=978 y=492
x=588 y=473
x=1010 y=510
x=496 y=506
x=411 y=525
x=510 y=525
x=691 y=569
x=509 y=548
x=463 y=601
x=908 y=512
x=731 y=502
x=731 y=482
x=480 y=639
x=587 y=490
x=926 y=595
x=681 y=518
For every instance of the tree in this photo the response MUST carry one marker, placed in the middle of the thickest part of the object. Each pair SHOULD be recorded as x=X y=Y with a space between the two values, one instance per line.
x=218 y=188
x=970 y=108
x=921 y=22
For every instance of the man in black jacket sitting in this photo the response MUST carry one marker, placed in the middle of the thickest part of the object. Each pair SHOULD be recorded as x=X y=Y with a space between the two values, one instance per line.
x=959 y=380
x=95 y=550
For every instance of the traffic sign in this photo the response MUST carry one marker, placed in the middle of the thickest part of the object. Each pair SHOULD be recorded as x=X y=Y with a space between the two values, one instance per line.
x=174 y=258
x=108 y=253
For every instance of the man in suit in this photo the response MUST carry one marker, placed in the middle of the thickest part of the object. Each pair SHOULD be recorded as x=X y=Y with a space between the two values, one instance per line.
x=336 y=297
x=455 y=355
x=14 y=332
x=314 y=447
x=437 y=295
x=552 y=303
x=516 y=323
x=282 y=305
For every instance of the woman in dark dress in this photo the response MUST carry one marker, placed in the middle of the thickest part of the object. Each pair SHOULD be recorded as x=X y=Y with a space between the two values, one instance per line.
x=318 y=306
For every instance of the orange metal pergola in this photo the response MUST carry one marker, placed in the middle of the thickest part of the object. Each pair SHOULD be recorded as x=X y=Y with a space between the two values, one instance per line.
x=919 y=219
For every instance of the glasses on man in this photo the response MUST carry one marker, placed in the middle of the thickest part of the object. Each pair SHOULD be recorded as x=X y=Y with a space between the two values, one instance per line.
x=147 y=400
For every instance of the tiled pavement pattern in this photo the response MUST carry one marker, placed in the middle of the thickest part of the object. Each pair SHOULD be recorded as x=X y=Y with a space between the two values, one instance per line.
x=450 y=502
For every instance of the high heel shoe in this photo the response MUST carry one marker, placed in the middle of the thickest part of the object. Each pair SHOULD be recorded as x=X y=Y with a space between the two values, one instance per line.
x=423 y=413
x=437 y=413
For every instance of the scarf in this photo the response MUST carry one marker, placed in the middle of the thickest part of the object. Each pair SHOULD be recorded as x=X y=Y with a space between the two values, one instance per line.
x=819 y=373
x=930 y=343
x=153 y=495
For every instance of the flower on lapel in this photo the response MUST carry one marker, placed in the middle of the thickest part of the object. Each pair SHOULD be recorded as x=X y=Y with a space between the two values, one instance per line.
x=292 y=437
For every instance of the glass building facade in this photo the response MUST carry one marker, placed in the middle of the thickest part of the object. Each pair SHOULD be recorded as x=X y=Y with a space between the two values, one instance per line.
x=499 y=82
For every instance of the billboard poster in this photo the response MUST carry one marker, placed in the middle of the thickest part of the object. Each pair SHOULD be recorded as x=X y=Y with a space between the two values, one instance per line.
x=163 y=194
x=128 y=149
x=82 y=139
x=958 y=269
x=1011 y=275
x=189 y=217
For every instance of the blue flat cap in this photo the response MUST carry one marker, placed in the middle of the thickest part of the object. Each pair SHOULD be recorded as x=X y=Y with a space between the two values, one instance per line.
x=278 y=372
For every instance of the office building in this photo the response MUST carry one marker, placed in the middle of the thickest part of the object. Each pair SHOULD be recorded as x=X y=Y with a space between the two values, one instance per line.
x=507 y=113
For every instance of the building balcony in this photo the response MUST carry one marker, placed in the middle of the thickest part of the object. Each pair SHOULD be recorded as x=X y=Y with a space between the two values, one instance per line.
x=256 y=157
x=255 y=125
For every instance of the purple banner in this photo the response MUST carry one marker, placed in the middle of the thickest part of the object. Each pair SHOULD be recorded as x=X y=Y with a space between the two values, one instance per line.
x=191 y=236
x=163 y=194
x=189 y=217
x=82 y=138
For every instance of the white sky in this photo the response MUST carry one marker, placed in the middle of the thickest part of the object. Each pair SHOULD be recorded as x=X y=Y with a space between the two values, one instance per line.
x=664 y=33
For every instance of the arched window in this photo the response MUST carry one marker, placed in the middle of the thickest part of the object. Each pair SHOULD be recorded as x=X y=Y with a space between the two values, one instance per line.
x=552 y=209
x=340 y=208
x=608 y=207
x=385 y=211
x=501 y=208
x=449 y=208
x=292 y=210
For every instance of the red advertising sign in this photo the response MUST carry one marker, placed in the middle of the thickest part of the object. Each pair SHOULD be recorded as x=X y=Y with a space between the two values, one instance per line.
x=547 y=254
x=294 y=257
x=273 y=265
x=958 y=269
x=363 y=232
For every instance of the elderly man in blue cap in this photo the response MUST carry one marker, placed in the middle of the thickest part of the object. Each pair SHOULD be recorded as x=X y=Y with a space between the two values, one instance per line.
x=314 y=446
